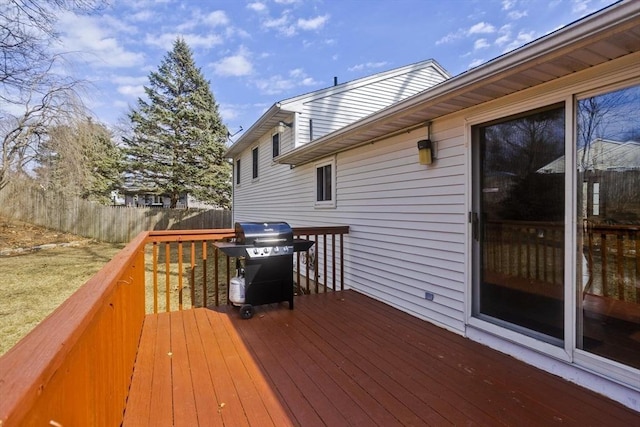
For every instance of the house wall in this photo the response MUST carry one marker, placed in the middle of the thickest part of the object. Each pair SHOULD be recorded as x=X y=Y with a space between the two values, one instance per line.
x=408 y=222
x=337 y=109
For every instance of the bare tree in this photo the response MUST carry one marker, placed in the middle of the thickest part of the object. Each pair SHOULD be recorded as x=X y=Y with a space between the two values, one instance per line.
x=27 y=33
x=32 y=96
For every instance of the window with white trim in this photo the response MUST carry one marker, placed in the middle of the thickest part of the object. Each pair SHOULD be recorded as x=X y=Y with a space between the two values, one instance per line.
x=325 y=184
x=254 y=164
x=275 y=144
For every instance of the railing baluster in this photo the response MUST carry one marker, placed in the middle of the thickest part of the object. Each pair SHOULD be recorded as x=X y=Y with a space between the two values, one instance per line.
x=324 y=260
x=155 y=277
x=341 y=262
x=603 y=250
x=193 y=274
x=620 y=262
x=333 y=261
x=637 y=278
x=180 y=276
x=204 y=273
x=167 y=287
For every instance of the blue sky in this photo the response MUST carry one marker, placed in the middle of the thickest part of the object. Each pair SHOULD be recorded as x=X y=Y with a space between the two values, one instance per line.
x=257 y=52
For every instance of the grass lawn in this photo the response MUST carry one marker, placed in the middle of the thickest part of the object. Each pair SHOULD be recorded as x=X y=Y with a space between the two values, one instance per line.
x=35 y=284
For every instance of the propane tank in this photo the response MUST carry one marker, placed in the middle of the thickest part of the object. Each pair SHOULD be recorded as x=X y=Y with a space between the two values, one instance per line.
x=236 y=290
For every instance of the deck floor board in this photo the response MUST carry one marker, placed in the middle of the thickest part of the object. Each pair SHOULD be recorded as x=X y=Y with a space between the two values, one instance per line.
x=341 y=359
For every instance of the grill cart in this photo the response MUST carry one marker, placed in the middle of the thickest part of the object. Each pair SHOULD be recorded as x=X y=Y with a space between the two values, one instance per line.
x=266 y=249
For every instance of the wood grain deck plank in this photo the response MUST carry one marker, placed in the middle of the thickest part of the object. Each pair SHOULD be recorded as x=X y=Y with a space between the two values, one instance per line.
x=266 y=334
x=184 y=403
x=205 y=399
x=139 y=399
x=424 y=391
x=246 y=384
x=341 y=359
x=161 y=411
x=554 y=399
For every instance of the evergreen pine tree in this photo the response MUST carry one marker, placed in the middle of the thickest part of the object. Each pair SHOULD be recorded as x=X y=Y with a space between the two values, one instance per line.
x=178 y=137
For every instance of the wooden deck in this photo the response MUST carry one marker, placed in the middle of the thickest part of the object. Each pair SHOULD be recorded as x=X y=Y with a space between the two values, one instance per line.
x=341 y=359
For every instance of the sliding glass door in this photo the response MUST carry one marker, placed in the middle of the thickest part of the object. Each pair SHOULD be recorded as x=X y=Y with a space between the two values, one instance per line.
x=518 y=223
x=608 y=219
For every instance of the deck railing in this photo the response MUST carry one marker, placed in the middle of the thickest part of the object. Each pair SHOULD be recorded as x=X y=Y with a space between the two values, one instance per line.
x=186 y=269
x=531 y=253
x=75 y=367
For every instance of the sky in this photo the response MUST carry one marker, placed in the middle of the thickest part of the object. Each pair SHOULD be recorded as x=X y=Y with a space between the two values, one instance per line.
x=255 y=53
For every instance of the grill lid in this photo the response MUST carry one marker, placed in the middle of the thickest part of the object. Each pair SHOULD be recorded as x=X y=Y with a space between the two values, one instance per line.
x=263 y=233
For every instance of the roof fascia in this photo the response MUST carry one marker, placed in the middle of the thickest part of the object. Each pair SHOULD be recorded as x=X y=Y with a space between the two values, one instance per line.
x=570 y=37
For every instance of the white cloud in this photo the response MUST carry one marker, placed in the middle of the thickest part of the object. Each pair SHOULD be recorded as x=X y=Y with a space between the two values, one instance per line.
x=216 y=18
x=228 y=112
x=481 y=44
x=367 y=66
x=166 y=40
x=507 y=4
x=313 y=23
x=482 y=28
x=476 y=62
x=234 y=65
x=451 y=37
x=517 y=14
x=276 y=22
x=520 y=40
x=88 y=37
x=257 y=6
x=132 y=91
x=278 y=84
x=580 y=6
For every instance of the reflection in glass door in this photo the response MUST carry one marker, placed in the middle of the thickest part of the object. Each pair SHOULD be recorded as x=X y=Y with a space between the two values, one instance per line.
x=608 y=235
x=518 y=223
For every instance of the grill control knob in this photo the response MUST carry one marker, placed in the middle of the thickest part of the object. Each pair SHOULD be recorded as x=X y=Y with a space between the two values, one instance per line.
x=255 y=251
x=276 y=249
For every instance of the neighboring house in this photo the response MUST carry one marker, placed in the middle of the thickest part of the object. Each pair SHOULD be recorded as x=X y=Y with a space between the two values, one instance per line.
x=136 y=198
x=478 y=242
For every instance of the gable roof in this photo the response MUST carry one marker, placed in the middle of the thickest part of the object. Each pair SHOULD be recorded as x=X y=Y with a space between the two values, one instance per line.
x=282 y=110
x=598 y=38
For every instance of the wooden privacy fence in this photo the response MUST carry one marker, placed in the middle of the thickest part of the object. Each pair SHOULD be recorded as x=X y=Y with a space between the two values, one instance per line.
x=114 y=224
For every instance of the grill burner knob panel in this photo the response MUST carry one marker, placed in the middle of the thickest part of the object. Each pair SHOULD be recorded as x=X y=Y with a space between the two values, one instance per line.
x=268 y=251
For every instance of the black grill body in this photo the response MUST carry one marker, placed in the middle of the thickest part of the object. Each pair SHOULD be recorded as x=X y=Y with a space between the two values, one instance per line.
x=266 y=249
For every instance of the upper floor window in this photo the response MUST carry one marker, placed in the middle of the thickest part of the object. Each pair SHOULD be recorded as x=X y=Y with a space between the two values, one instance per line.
x=238 y=171
x=275 y=143
x=254 y=156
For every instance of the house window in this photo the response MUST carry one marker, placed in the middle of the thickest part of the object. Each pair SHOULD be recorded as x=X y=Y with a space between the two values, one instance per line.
x=275 y=143
x=238 y=171
x=254 y=155
x=325 y=184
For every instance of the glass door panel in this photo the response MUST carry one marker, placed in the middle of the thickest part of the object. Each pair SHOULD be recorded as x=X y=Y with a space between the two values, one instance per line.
x=608 y=235
x=518 y=223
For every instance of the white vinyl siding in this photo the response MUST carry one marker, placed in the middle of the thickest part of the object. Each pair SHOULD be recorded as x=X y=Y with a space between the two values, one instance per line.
x=407 y=221
x=334 y=110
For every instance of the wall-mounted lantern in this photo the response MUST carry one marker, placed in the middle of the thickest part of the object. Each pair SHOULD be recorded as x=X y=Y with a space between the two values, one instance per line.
x=427 y=149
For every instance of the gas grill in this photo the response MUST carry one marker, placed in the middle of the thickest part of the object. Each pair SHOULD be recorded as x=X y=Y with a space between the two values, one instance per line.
x=266 y=249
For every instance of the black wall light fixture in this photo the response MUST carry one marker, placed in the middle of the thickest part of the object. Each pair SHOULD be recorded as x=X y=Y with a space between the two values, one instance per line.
x=427 y=149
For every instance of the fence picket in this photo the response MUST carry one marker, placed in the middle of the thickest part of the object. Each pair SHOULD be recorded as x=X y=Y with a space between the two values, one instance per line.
x=113 y=224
